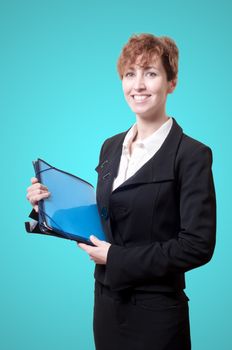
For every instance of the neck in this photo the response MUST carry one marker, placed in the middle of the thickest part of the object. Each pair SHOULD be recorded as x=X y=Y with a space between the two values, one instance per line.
x=146 y=127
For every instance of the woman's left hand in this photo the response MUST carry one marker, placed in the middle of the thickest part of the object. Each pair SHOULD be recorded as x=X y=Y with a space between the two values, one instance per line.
x=98 y=253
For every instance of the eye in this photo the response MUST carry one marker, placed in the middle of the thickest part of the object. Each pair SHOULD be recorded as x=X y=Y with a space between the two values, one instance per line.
x=152 y=74
x=129 y=74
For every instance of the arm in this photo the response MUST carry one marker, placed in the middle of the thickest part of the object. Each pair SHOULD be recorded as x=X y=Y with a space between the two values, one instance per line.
x=195 y=242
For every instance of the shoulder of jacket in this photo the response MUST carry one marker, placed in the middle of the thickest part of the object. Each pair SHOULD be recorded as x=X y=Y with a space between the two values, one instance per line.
x=192 y=152
x=189 y=145
x=192 y=156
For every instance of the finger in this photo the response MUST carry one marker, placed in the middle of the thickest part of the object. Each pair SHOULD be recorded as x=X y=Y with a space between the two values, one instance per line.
x=34 y=180
x=36 y=186
x=37 y=197
x=95 y=240
x=85 y=247
x=93 y=258
x=36 y=192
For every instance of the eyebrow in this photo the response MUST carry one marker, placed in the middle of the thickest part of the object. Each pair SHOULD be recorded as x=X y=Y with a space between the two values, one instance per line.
x=146 y=67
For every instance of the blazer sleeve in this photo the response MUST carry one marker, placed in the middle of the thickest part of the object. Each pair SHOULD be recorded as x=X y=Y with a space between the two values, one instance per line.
x=195 y=242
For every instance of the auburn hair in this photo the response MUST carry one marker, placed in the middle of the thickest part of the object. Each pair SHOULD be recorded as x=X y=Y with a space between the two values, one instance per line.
x=150 y=47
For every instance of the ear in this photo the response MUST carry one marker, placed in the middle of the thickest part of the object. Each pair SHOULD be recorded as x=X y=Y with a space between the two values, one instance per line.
x=171 y=85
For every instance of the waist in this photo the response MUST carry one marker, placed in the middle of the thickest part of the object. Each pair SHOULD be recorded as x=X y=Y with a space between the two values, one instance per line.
x=168 y=283
x=131 y=293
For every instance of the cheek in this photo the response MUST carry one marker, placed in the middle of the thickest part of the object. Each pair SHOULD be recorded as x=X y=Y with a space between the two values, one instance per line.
x=157 y=86
x=126 y=87
x=125 y=93
x=127 y=96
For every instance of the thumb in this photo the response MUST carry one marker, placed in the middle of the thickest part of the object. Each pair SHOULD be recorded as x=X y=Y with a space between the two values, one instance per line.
x=34 y=180
x=95 y=240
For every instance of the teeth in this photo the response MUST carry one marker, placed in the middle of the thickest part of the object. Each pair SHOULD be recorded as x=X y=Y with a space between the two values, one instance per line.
x=140 y=97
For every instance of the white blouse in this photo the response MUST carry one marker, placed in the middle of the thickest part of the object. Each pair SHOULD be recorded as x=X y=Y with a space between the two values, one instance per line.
x=143 y=150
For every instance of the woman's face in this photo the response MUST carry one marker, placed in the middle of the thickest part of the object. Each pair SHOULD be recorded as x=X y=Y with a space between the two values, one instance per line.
x=146 y=88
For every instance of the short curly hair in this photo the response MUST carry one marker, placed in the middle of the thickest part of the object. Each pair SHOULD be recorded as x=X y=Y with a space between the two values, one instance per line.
x=149 y=45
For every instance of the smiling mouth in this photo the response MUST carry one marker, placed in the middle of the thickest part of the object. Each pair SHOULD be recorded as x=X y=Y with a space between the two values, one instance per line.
x=140 y=98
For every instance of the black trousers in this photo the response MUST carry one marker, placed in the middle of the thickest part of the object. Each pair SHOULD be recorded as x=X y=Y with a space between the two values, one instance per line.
x=130 y=320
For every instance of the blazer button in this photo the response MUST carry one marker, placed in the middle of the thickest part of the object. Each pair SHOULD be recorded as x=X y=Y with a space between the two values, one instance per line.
x=104 y=213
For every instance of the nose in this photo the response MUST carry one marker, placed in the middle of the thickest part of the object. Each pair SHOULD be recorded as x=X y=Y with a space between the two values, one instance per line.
x=139 y=83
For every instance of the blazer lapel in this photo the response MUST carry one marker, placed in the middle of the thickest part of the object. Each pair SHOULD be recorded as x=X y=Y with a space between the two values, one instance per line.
x=110 y=164
x=158 y=168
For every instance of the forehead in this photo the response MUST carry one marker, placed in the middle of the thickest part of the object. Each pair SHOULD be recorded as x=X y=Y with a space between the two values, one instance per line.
x=144 y=62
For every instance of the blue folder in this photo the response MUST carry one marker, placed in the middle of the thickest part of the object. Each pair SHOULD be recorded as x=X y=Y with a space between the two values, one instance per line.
x=71 y=211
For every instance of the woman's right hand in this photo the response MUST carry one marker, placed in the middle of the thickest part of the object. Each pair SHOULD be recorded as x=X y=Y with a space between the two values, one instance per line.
x=36 y=192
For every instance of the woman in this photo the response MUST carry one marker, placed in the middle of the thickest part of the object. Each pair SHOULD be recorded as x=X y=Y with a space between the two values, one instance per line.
x=156 y=197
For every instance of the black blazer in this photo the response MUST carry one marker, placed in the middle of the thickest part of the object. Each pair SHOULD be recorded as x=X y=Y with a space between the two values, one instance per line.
x=162 y=220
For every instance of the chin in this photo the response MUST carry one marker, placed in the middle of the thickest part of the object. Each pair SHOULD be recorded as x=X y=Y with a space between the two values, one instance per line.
x=144 y=116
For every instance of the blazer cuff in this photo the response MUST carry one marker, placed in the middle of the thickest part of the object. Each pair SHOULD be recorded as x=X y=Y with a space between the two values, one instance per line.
x=115 y=276
x=34 y=215
x=33 y=225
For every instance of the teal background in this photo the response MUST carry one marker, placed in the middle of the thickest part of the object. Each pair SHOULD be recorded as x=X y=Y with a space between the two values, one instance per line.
x=60 y=97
